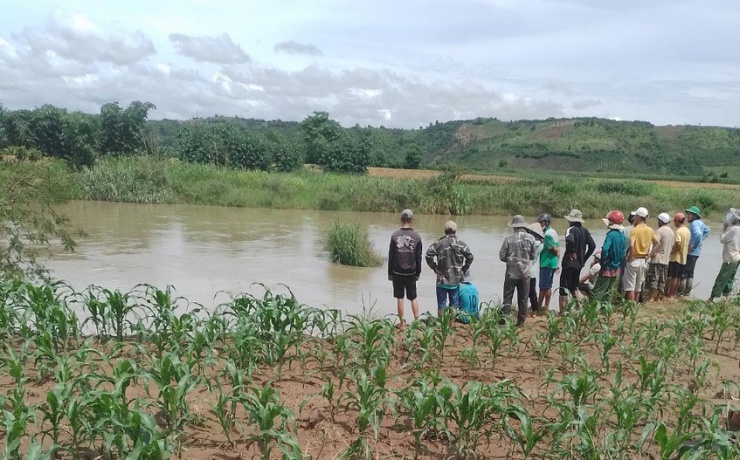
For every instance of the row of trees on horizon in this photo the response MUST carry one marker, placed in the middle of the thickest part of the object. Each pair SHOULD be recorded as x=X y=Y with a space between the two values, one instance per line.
x=80 y=139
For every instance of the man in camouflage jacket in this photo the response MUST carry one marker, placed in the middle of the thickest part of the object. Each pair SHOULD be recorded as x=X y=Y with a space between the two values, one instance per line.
x=449 y=258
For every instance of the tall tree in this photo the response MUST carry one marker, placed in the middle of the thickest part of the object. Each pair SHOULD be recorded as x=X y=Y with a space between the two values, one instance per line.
x=122 y=131
x=319 y=132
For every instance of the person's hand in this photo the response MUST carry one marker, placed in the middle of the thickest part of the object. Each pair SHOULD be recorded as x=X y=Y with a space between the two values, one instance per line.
x=557 y=270
x=417 y=278
x=390 y=277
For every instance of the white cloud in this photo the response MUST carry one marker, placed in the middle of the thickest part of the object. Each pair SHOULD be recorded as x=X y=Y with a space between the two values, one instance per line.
x=220 y=50
x=291 y=47
x=77 y=38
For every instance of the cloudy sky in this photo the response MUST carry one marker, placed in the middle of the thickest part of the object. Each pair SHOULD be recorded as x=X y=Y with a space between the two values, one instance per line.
x=397 y=63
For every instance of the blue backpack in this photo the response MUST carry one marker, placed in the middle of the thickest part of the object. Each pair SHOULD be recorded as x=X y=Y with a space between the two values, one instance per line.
x=468 y=302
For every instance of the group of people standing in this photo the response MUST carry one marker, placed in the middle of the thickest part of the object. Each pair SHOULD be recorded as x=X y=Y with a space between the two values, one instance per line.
x=639 y=262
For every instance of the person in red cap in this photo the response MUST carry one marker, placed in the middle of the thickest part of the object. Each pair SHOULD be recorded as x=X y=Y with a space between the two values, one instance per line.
x=613 y=253
x=679 y=254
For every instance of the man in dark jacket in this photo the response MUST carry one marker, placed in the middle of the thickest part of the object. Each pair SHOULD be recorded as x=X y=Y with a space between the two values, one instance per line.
x=404 y=265
x=579 y=245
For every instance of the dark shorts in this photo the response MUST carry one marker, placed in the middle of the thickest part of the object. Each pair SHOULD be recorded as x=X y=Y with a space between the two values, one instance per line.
x=569 y=281
x=404 y=283
x=688 y=269
x=674 y=269
x=547 y=275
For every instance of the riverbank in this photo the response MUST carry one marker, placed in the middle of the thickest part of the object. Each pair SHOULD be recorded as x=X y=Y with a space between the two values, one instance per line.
x=146 y=180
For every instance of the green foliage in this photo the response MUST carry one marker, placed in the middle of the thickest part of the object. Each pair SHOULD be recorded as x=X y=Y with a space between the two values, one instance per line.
x=29 y=224
x=348 y=244
x=122 y=130
x=130 y=179
x=413 y=157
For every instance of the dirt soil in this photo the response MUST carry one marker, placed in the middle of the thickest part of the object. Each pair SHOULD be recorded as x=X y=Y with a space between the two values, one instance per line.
x=323 y=438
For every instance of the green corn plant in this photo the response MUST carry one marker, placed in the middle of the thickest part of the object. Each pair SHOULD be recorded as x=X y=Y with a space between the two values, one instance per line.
x=174 y=381
x=274 y=423
x=471 y=408
x=373 y=338
x=371 y=399
x=16 y=422
x=526 y=436
x=422 y=403
x=607 y=340
x=419 y=345
x=720 y=321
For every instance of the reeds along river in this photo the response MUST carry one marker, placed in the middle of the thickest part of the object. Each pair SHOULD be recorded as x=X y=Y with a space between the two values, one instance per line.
x=206 y=252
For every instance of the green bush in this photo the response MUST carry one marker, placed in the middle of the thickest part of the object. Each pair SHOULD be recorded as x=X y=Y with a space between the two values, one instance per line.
x=348 y=244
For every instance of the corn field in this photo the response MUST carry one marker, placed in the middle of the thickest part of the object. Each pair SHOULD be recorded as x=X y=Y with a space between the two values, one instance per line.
x=102 y=374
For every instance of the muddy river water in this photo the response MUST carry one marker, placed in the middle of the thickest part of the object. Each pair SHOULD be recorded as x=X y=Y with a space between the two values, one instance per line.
x=207 y=252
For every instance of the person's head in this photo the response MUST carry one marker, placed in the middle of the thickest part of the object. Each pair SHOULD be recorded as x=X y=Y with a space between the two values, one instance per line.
x=535 y=229
x=575 y=217
x=450 y=227
x=544 y=219
x=518 y=223
x=614 y=220
x=631 y=218
x=733 y=217
x=693 y=213
x=678 y=219
x=663 y=219
x=641 y=215
x=407 y=217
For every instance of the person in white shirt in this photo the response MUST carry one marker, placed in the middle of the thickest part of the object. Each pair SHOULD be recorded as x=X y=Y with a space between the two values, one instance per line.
x=730 y=239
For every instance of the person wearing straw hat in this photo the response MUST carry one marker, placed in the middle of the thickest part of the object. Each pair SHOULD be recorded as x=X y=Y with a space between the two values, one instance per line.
x=579 y=245
x=535 y=230
x=679 y=254
x=657 y=276
x=449 y=258
x=699 y=232
x=730 y=239
x=613 y=254
x=518 y=251
x=404 y=265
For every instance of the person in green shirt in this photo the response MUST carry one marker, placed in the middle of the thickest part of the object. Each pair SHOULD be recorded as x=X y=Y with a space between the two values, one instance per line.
x=548 y=262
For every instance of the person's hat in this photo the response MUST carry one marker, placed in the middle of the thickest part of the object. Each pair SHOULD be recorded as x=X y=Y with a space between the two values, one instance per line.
x=451 y=225
x=544 y=217
x=694 y=210
x=664 y=217
x=679 y=217
x=614 y=220
x=536 y=230
x=407 y=214
x=575 y=216
x=735 y=212
x=641 y=212
x=517 y=222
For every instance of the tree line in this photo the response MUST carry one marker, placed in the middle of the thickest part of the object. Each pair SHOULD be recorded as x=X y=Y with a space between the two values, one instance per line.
x=80 y=138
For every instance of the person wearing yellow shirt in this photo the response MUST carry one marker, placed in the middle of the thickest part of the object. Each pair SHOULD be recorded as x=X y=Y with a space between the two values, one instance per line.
x=643 y=245
x=679 y=254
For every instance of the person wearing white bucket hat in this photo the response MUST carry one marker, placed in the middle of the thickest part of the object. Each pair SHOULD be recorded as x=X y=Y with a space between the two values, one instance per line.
x=730 y=239
x=657 y=276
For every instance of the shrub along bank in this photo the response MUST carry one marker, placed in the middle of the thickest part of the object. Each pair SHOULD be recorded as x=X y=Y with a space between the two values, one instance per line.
x=146 y=180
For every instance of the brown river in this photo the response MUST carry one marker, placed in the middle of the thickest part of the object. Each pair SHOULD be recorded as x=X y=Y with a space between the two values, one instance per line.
x=207 y=253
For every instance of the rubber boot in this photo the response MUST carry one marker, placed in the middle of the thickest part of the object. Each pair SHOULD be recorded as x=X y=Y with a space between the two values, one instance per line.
x=689 y=286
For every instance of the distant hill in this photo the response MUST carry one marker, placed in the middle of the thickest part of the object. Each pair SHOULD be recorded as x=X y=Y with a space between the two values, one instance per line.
x=570 y=144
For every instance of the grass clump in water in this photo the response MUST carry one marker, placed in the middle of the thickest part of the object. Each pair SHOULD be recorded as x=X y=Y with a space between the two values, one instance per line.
x=348 y=244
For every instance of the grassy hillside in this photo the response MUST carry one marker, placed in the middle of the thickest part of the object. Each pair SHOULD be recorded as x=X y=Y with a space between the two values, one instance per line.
x=577 y=144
